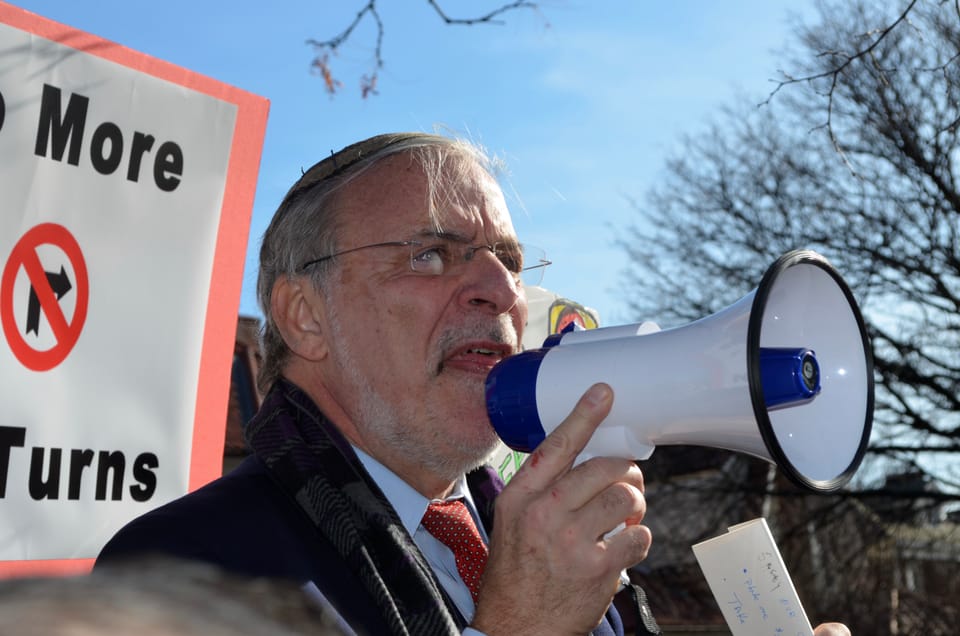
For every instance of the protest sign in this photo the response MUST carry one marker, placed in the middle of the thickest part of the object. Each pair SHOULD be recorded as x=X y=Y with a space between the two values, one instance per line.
x=127 y=187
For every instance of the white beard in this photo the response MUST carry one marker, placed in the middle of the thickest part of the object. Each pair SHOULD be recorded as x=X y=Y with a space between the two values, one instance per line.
x=377 y=418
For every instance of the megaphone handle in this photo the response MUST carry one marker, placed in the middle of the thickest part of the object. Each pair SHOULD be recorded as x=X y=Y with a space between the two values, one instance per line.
x=615 y=531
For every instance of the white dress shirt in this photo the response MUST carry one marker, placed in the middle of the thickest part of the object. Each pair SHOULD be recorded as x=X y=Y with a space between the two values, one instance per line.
x=411 y=506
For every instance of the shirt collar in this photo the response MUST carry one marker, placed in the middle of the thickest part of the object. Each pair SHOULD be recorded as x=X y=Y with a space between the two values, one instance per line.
x=409 y=504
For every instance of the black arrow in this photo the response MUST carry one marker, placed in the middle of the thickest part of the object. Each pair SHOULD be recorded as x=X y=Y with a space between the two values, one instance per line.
x=60 y=284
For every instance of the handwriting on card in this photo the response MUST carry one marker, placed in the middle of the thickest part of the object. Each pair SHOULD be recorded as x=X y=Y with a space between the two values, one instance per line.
x=750 y=582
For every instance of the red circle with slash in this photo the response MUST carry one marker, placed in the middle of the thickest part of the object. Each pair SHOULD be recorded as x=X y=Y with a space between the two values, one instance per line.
x=66 y=332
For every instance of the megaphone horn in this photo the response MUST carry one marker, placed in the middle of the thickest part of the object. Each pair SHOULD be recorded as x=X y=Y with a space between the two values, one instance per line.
x=784 y=374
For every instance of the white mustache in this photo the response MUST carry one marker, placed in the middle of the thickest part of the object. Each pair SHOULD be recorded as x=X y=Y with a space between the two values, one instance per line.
x=501 y=332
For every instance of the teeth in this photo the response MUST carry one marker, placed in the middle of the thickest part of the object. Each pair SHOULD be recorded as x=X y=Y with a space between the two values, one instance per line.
x=484 y=352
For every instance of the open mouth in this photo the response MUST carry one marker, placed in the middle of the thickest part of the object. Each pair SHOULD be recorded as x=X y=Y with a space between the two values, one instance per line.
x=484 y=352
x=476 y=357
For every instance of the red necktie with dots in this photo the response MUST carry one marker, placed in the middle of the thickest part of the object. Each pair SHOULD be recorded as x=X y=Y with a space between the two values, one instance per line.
x=451 y=523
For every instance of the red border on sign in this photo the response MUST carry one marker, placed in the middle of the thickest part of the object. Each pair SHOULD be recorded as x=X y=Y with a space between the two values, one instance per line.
x=219 y=331
x=24 y=255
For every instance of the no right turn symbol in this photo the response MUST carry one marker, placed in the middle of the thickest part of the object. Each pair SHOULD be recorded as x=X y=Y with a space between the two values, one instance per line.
x=44 y=293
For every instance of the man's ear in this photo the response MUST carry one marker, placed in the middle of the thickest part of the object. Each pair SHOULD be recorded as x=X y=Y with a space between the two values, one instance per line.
x=298 y=312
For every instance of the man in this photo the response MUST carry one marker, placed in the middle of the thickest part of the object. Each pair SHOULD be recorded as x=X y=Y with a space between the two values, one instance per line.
x=390 y=281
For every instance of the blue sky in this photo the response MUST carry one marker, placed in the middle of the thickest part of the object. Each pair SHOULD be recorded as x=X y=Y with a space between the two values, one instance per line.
x=584 y=100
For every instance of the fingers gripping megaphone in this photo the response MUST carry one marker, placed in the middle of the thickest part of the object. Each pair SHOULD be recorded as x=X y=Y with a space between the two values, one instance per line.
x=784 y=374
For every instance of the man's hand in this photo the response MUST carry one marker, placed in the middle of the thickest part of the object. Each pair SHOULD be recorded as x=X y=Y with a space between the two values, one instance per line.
x=552 y=569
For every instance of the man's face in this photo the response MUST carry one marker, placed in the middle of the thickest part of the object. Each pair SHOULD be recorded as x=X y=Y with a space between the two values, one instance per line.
x=414 y=350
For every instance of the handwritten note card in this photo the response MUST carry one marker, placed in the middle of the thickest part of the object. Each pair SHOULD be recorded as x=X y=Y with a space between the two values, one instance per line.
x=750 y=582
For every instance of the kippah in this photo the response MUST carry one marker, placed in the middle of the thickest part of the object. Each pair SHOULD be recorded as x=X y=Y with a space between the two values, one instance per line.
x=339 y=162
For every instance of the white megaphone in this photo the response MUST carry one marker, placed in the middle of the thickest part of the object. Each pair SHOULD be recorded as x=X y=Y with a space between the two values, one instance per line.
x=784 y=374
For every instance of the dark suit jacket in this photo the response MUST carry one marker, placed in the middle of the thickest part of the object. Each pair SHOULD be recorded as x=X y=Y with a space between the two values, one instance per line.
x=245 y=523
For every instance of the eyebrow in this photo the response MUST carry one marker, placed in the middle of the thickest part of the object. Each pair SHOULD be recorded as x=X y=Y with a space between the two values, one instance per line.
x=457 y=237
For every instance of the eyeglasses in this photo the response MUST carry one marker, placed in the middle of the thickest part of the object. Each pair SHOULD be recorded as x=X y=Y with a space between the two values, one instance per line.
x=440 y=256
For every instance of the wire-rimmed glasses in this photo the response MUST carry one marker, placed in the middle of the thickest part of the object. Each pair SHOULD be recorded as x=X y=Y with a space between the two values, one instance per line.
x=441 y=256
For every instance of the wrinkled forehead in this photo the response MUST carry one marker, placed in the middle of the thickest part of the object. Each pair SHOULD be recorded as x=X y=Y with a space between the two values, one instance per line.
x=468 y=193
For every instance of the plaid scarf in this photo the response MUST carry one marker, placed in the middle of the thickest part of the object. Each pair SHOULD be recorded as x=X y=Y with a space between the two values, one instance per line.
x=316 y=466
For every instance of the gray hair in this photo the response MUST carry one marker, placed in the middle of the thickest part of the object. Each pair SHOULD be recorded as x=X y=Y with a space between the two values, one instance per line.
x=157 y=596
x=305 y=225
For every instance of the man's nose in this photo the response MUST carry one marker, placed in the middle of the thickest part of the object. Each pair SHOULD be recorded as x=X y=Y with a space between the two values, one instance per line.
x=487 y=283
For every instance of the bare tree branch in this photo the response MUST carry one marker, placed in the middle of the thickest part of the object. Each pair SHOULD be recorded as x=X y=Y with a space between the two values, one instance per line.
x=489 y=17
x=324 y=49
x=919 y=448
x=834 y=72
